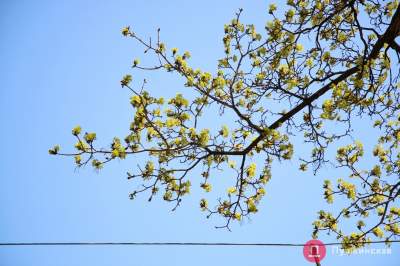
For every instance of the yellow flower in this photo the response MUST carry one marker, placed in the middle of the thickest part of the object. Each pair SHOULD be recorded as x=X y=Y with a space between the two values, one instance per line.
x=161 y=47
x=125 y=31
x=114 y=153
x=186 y=55
x=126 y=80
x=303 y=167
x=395 y=211
x=261 y=191
x=231 y=190
x=376 y=171
x=397 y=135
x=78 y=159
x=135 y=100
x=251 y=170
x=76 y=130
x=192 y=133
x=54 y=150
x=289 y=14
x=292 y=83
x=358 y=83
x=204 y=137
x=299 y=47
x=283 y=69
x=378 y=232
x=251 y=206
x=206 y=186
x=167 y=196
x=149 y=169
x=272 y=8
x=231 y=164
x=326 y=56
x=90 y=137
x=203 y=204
x=81 y=146
x=237 y=216
x=342 y=37
x=97 y=164
x=218 y=82
x=179 y=101
x=225 y=131
x=171 y=122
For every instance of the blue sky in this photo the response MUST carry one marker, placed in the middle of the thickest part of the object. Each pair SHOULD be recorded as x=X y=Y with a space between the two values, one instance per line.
x=61 y=66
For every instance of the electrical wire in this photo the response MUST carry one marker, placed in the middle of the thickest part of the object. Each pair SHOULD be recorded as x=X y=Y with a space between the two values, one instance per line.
x=3 y=244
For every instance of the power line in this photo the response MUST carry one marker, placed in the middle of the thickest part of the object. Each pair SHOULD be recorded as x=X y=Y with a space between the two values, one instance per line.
x=174 y=244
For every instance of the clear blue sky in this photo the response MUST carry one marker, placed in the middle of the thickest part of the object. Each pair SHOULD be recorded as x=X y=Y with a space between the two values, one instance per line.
x=61 y=62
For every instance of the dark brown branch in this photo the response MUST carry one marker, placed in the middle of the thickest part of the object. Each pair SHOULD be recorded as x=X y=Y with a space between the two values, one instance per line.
x=395 y=46
x=388 y=37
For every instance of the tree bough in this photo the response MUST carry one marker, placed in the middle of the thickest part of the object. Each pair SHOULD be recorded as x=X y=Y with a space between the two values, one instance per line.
x=351 y=58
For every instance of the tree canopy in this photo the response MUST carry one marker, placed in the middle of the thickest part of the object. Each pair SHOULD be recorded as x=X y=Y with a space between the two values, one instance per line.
x=315 y=68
